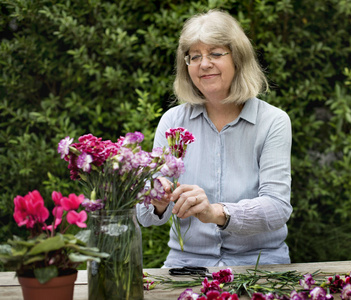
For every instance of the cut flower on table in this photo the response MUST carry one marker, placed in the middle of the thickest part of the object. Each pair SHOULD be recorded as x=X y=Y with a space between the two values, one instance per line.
x=279 y=285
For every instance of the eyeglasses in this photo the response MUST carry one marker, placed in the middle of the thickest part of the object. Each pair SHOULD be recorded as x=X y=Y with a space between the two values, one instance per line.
x=197 y=59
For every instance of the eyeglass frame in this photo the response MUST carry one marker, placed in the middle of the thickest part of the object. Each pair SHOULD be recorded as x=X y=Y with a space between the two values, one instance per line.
x=187 y=58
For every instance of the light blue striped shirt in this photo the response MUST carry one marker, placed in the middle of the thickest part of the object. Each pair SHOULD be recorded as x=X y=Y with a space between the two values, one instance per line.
x=245 y=166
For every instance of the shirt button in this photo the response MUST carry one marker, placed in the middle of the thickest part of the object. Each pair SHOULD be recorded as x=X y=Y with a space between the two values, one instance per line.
x=219 y=245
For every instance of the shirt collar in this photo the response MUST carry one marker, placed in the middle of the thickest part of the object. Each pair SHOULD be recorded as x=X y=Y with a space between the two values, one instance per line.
x=249 y=112
x=197 y=110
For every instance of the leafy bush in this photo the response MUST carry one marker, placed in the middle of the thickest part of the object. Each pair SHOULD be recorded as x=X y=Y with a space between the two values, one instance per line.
x=106 y=67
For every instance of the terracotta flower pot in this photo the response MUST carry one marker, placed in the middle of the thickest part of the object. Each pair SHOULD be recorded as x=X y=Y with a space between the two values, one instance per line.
x=58 y=288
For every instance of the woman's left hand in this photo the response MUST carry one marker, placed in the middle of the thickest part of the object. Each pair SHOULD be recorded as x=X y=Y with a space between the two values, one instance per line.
x=191 y=200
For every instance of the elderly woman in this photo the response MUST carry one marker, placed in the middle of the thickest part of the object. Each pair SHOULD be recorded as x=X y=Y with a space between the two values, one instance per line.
x=236 y=187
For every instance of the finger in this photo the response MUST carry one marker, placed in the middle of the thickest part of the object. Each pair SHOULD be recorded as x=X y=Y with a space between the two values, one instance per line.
x=181 y=189
x=187 y=205
x=167 y=185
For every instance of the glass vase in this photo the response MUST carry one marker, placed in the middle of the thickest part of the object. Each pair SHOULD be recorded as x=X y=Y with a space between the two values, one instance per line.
x=120 y=276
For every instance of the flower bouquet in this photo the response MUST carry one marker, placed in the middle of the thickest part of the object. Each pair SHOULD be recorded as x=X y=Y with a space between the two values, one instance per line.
x=49 y=251
x=116 y=176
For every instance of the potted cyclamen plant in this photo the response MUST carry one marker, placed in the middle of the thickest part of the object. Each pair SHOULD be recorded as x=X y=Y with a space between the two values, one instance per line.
x=46 y=262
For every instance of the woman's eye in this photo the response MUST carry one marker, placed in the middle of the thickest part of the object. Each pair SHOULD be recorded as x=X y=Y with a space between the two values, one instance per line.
x=195 y=57
x=215 y=55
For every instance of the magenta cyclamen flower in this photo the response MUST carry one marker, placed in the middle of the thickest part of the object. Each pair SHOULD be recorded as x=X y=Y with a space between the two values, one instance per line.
x=223 y=276
x=76 y=218
x=30 y=209
x=72 y=202
x=63 y=146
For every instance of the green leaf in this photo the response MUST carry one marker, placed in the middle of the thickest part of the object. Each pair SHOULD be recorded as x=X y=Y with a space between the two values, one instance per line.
x=50 y=244
x=45 y=274
x=83 y=236
x=82 y=258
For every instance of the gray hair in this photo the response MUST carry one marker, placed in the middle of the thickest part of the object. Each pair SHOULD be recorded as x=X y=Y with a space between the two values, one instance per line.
x=220 y=29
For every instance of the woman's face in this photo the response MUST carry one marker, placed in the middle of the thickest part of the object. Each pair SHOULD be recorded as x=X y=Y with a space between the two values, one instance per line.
x=213 y=77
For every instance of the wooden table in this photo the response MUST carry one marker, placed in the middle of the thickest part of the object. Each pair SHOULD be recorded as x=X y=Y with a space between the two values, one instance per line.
x=11 y=290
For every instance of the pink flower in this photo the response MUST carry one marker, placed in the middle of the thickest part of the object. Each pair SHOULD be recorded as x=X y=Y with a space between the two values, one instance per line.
x=76 y=218
x=30 y=209
x=187 y=137
x=58 y=212
x=210 y=286
x=72 y=202
x=225 y=275
x=57 y=223
x=56 y=197
x=178 y=140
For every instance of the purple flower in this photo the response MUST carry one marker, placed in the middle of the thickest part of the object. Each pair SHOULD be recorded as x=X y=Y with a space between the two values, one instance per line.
x=307 y=282
x=329 y=297
x=173 y=167
x=133 y=138
x=346 y=292
x=188 y=294
x=142 y=158
x=63 y=146
x=157 y=192
x=92 y=205
x=318 y=293
x=83 y=162
x=294 y=295
x=157 y=152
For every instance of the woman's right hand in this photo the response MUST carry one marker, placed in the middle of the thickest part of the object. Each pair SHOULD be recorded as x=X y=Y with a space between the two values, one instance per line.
x=161 y=205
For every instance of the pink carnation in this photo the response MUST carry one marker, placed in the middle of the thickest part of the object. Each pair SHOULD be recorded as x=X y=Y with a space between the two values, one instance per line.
x=225 y=275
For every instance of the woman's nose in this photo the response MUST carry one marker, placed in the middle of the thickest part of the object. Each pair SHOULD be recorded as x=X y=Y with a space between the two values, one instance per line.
x=205 y=62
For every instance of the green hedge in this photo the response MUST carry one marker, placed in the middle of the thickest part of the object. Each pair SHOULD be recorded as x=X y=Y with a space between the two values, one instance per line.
x=107 y=67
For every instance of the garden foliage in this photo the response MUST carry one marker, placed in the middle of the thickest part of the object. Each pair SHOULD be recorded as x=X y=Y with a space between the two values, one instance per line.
x=107 y=67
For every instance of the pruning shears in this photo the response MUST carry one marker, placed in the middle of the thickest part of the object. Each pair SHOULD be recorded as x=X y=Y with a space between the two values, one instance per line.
x=186 y=271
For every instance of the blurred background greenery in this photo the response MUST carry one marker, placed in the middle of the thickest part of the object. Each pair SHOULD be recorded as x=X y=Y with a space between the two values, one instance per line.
x=106 y=67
